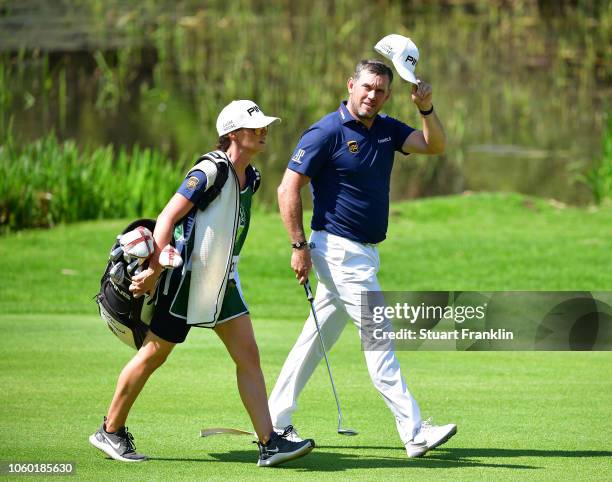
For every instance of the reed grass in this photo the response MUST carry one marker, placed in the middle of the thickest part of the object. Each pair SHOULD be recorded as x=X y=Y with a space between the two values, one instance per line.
x=47 y=182
x=598 y=177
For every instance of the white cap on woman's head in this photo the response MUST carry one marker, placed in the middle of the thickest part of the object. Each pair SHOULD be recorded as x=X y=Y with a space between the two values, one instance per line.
x=402 y=52
x=242 y=113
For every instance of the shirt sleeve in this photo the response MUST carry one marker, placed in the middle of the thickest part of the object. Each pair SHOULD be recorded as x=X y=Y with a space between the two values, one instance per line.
x=312 y=150
x=400 y=132
x=193 y=186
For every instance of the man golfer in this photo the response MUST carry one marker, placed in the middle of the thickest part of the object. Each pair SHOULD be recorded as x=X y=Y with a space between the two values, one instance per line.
x=347 y=157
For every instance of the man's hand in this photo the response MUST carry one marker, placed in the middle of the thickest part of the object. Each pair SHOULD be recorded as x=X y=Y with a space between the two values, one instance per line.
x=431 y=139
x=290 y=204
x=301 y=264
x=422 y=95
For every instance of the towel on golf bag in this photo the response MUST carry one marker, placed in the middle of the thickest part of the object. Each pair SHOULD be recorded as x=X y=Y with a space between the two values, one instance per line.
x=128 y=318
x=207 y=247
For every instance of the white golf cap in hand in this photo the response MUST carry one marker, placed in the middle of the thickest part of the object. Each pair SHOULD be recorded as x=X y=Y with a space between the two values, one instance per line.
x=242 y=113
x=402 y=52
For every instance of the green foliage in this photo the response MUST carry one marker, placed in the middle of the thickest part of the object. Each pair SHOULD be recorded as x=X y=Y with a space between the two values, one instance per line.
x=48 y=182
x=599 y=177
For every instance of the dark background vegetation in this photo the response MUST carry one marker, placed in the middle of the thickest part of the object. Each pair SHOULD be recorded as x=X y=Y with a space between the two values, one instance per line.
x=521 y=87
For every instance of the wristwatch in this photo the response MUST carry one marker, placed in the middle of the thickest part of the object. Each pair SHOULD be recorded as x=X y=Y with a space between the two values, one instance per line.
x=426 y=112
x=299 y=245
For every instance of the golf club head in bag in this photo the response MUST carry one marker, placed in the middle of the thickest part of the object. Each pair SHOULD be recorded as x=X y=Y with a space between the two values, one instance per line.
x=341 y=430
x=127 y=317
x=117 y=273
x=138 y=243
x=131 y=269
x=115 y=254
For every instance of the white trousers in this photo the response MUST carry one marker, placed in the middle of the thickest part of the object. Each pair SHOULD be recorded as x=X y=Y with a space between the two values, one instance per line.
x=344 y=269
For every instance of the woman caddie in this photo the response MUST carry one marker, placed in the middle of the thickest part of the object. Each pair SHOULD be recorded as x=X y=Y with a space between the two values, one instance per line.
x=209 y=231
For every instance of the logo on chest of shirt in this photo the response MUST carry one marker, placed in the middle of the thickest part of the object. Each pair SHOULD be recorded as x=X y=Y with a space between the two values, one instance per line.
x=353 y=147
x=386 y=139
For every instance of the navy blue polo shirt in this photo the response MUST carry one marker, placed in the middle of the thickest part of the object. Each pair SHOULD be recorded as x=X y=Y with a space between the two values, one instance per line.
x=350 y=170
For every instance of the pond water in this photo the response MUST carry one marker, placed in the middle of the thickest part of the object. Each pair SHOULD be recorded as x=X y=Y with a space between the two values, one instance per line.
x=522 y=91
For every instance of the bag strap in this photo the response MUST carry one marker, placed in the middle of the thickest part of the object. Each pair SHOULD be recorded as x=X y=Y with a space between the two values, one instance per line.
x=221 y=162
x=256 y=178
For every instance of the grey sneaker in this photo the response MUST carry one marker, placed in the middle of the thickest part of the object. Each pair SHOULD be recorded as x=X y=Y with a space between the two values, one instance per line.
x=118 y=445
x=289 y=432
x=279 y=450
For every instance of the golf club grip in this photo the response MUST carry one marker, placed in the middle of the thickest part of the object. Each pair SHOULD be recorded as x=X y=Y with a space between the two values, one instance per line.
x=308 y=290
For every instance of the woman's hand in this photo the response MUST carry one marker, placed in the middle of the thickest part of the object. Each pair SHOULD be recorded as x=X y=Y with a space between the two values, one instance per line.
x=144 y=283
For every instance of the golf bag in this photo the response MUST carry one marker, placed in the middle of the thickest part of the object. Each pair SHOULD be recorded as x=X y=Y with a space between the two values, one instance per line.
x=127 y=317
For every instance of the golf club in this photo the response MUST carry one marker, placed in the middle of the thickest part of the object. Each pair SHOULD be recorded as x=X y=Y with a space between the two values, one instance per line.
x=117 y=273
x=341 y=431
x=115 y=254
x=132 y=267
x=208 y=432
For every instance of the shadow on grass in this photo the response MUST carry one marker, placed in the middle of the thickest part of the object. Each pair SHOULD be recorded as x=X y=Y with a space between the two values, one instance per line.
x=325 y=461
x=337 y=461
x=494 y=452
x=485 y=452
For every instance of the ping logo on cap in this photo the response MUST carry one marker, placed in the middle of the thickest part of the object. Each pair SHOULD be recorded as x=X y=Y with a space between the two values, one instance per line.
x=250 y=110
x=411 y=59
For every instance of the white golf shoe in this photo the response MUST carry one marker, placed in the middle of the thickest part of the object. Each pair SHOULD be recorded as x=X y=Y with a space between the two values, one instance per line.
x=429 y=437
x=417 y=447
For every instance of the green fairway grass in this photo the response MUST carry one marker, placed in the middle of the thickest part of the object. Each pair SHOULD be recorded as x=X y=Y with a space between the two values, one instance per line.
x=521 y=415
